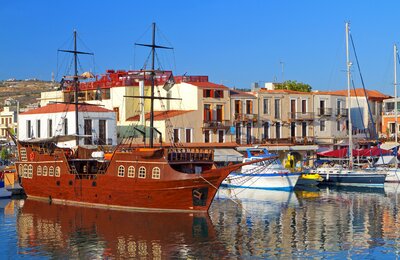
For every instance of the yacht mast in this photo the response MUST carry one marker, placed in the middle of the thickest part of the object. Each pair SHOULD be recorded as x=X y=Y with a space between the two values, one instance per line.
x=395 y=92
x=348 y=64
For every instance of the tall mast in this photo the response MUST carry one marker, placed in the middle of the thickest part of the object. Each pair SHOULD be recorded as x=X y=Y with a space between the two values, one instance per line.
x=76 y=85
x=395 y=92
x=348 y=64
x=76 y=90
x=153 y=47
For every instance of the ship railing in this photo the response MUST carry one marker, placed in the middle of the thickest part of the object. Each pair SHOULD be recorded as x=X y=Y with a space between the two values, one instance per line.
x=190 y=154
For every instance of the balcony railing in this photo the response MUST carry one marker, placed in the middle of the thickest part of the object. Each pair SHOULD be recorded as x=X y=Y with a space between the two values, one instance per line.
x=301 y=116
x=245 y=117
x=342 y=112
x=298 y=140
x=216 y=124
x=324 y=111
x=303 y=140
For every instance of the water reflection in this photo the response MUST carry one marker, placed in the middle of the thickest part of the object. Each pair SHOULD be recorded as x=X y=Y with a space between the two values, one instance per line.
x=330 y=222
x=336 y=222
x=60 y=231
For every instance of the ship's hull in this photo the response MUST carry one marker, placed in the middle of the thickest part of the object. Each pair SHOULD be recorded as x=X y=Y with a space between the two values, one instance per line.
x=266 y=181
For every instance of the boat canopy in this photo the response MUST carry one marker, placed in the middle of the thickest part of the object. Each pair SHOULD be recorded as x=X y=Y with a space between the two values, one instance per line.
x=54 y=139
x=342 y=153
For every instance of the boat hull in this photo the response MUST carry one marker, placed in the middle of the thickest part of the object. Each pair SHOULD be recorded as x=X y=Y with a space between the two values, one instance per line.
x=263 y=181
x=354 y=179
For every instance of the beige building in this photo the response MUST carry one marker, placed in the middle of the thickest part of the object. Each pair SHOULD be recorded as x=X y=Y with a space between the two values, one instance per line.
x=8 y=119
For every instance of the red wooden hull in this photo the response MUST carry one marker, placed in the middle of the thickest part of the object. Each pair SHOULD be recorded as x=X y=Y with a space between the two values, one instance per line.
x=172 y=191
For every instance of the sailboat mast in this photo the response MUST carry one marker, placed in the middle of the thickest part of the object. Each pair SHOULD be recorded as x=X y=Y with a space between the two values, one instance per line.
x=76 y=90
x=348 y=64
x=153 y=49
x=395 y=92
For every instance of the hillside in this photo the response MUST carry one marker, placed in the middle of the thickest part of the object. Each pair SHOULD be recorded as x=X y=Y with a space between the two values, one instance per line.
x=26 y=92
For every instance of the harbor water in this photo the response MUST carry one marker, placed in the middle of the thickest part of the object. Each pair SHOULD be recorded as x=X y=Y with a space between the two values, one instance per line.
x=313 y=223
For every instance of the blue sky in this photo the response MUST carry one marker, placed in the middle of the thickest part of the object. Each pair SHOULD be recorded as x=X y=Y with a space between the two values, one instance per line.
x=235 y=43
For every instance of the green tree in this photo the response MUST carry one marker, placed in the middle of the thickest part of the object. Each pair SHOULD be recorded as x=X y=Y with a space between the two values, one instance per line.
x=4 y=155
x=294 y=85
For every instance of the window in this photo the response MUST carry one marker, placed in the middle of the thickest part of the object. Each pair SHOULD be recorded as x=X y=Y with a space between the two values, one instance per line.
x=249 y=107
x=23 y=154
x=266 y=130
x=278 y=130
x=219 y=112
x=266 y=106
x=39 y=170
x=49 y=128
x=29 y=128
x=322 y=125
x=25 y=171
x=45 y=171
x=65 y=126
x=277 y=108
x=30 y=171
x=219 y=94
x=38 y=128
x=304 y=106
x=338 y=125
x=221 y=136
x=207 y=137
x=121 y=171
x=188 y=135
x=57 y=172
x=131 y=172
x=142 y=172
x=155 y=173
x=51 y=171
x=106 y=94
x=102 y=132
x=176 y=135
x=207 y=112
x=207 y=93
x=88 y=130
x=238 y=107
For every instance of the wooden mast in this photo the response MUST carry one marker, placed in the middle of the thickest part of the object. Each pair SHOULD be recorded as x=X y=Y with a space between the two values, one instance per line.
x=76 y=83
x=153 y=47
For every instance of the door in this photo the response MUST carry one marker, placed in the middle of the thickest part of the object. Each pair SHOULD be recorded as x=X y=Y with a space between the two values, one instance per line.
x=304 y=129
x=238 y=133
x=293 y=130
x=248 y=133
x=322 y=107
x=88 y=131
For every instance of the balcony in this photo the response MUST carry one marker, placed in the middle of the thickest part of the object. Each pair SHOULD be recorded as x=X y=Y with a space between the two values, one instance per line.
x=323 y=111
x=303 y=140
x=245 y=117
x=216 y=124
x=300 y=116
x=341 y=112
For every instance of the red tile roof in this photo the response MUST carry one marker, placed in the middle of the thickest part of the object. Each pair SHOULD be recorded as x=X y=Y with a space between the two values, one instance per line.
x=328 y=93
x=359 y=92
x=57 y=108
x=209 y=85
x=161 y=115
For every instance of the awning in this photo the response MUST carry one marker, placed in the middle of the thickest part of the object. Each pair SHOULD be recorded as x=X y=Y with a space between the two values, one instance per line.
x=227 y=155
x=389 y=145
x=387 y=159
x=304 y=148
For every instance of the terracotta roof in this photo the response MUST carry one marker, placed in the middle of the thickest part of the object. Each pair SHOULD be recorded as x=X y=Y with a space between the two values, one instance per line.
x=235 y=92
x=359 y=92
x=209 y=85
x=328 y=93
x=57 y=108
x=161 y=115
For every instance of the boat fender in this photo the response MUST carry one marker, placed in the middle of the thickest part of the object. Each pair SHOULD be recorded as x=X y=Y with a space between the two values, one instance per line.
x=32 y=156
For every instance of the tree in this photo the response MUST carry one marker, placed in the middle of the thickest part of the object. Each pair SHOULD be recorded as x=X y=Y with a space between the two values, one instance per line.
x=294 y=85
x=4 y=155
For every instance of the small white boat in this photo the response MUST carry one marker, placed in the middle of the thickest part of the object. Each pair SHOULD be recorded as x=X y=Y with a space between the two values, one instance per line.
x=267 y=175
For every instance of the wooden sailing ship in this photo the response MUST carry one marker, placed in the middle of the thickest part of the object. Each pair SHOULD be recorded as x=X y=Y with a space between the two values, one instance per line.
x=148 y=178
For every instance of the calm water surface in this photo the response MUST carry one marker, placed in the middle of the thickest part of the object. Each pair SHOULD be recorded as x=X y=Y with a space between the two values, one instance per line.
x=350 y=223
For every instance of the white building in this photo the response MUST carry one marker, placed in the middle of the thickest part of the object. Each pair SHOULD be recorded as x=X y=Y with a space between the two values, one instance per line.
x=96 y=123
